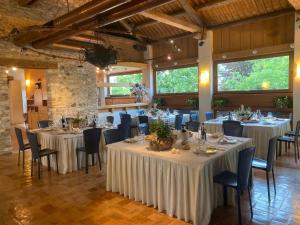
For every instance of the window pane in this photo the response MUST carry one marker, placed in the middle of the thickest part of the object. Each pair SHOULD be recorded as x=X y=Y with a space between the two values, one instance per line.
x=251 y=75
x=181 y=80
x=124 y=79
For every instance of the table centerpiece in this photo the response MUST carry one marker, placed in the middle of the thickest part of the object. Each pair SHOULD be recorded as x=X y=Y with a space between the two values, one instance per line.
x=161 y=137
x=243 y=113
x=139 y=91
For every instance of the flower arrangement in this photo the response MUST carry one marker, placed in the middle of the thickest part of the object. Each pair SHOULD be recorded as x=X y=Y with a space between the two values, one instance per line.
x=139 y=91
x=243 y=113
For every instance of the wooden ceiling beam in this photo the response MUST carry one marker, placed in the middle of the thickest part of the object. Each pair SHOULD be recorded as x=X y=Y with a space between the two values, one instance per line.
x=295 y=4
x=172 y=21
x=204 y=6
x=191 y=12
x=130 y=29
x=26 y=2
x=137 y=6
x=65 y=47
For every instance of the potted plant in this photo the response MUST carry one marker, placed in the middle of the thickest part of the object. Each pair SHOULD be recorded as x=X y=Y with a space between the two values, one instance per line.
x=193 y=102
x=220 y=102
x=160 y=137
x=158 y=102
x=283 y=102
x=243 y=113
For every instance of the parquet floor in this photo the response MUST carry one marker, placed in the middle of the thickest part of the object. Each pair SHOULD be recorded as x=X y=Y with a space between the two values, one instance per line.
x=81 y=199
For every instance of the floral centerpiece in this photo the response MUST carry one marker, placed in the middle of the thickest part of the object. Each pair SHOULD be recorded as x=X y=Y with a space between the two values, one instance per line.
x=161 y=137
x=139 y=91
x=243 y=113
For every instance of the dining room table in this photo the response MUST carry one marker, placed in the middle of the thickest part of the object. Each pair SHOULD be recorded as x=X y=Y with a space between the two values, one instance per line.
x=261 y=131
x=66 y=142
x=177 y=182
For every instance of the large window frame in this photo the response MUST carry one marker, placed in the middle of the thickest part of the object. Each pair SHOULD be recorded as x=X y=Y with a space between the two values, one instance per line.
x=290 y=79
x=121 y=74
x=172 y=68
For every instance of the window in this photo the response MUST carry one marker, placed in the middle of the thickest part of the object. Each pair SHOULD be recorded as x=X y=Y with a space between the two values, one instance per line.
x=180 y=80
x=270 y=73
x=123 y=79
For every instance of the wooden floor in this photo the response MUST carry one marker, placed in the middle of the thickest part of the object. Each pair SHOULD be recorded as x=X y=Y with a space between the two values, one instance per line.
x=77 y=198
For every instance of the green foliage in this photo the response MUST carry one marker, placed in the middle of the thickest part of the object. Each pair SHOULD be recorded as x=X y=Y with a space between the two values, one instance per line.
x=283 y=102
x=159 y=101
x=181 y=80
x=124 y=79
x=258 y=74
x=161 y=129
x=193 y=102
x=220 y=102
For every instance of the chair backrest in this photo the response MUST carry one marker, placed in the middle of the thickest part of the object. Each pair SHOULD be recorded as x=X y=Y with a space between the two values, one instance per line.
x=232 y=128
x=141 y=112
x=33 y=141
x=91 y=139
x=209 y=115
x=143 y=119
x=112 y=136
x=110 y=119
x=244 y=167
x=297 y=131
x=43 y=123
x=193 y=126
x=178 y=121
x=271 y=153
x=194 y=117
x=124 y=115
x=125 y=127
x=20 y=138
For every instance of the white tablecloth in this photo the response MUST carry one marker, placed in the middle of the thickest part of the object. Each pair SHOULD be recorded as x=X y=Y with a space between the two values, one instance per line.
x=179 y=184
x=66 y=145
x=261 y=133
x=167 y=119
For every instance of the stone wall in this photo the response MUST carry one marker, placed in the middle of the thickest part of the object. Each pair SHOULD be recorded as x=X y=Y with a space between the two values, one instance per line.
x=72 y=90
x=5 y=139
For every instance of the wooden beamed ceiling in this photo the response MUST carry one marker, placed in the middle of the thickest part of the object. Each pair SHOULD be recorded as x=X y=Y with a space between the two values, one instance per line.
x=141 y=21
x=26 y=2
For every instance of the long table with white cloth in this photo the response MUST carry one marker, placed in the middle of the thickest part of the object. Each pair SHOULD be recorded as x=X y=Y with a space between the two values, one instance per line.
x=260 y=132
x=180 y=184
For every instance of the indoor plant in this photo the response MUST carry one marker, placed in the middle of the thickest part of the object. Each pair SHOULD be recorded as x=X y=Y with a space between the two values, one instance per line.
x=193 y=102
x=220 y=102
x=160 y=137
x=139 y=91
x=243 y=113
x=283 y=102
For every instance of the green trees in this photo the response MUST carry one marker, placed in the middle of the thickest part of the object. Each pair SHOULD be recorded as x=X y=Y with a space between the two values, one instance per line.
x=259 y=74
x=181 y=80
x=124 y=79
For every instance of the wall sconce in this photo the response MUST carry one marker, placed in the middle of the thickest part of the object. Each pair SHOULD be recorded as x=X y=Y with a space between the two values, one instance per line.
x=298 y=71
x=27 y=83
x=204 y=77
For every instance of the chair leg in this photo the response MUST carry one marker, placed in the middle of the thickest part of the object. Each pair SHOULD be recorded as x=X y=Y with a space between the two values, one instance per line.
x=225 y=195
x=19 y=158
x=77 y=156
x=250 y=202
x=285 y=146
x=93 y=159
x=296 y=154
x=239 y=207
x=280 y=148
x=48 y=162
x=86 y=163
x=56 y=164
x=268 y=184
x=39 y=168
x=23 y=159
x=99 y=160
x=274 y=181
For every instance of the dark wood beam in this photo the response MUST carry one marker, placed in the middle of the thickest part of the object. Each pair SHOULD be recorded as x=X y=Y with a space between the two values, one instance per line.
x=191 y=12
x=295 y=4
x=203 y=6
x=27 y=63
x=26 y=2
x=94 y=22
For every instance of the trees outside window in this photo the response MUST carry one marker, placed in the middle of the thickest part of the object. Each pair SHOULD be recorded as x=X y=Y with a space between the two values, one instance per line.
x=123 y=79
x=180 y=80
x=270 y=73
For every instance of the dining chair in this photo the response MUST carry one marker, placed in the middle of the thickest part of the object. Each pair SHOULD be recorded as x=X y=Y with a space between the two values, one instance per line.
x=178 y=121
x=290 y=140
x=238 y=181
x=110 y=119
x=112 y=136
x=194 y=117
x=193 y=126
x=292 y=133
x=209 y=115
x=22 y=147
x=38 y=153
x=44 y=123
x=125 y=127
x=232 y=128
x=143 y=124
x=267 y=165
x=91 y=139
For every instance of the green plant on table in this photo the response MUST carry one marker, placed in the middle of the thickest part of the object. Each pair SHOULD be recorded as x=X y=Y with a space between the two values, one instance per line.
x=193 y=102
x=282 y=102
x=220 y=102
x=160 y=129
